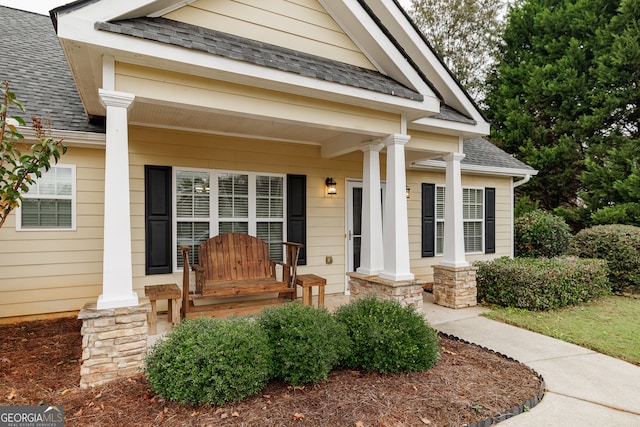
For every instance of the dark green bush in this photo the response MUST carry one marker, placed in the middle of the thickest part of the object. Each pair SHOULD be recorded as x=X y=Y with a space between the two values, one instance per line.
x=541 y=234
x=620 y=246
x=307 y=342
x=388 y=337
x=539 y=283
x=211 y=361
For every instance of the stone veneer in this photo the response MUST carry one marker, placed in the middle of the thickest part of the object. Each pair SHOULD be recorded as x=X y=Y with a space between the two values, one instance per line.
x=406 y=292
x=455 y=287
x=114 y=342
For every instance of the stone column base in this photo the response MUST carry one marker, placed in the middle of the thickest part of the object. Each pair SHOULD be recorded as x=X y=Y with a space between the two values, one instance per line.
x=114 y=342
x=455 y=287
x=406 y=292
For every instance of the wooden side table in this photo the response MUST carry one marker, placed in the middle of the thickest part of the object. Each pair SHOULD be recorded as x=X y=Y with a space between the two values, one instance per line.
x=172 y=294
x=307 y=281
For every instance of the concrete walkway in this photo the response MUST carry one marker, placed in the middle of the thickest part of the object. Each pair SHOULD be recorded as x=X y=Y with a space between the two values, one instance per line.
x=584 y=388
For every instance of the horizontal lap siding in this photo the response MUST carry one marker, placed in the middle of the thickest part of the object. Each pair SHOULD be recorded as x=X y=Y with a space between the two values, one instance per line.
x=54 y=271
x=301 y=25
x=420 y=266
x=325 y=215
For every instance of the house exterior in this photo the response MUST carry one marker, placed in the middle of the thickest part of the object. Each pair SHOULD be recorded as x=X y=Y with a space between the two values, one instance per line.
x=186 y=119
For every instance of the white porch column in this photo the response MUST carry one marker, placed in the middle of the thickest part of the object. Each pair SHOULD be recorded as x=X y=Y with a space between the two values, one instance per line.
x=396 y=225
x=117 y=276
x=371 y=256
x=453 y=255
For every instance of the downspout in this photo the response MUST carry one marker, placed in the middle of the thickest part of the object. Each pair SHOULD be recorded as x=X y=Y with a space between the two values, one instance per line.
x=524 y=180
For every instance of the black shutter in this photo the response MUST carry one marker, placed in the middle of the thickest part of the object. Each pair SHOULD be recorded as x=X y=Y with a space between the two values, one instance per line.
x=428 y=220
x=490 y=220
x=297 y=213
x=157 y=206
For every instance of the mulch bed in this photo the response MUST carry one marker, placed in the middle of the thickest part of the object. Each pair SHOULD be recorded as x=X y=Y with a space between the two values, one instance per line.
x=40 y=364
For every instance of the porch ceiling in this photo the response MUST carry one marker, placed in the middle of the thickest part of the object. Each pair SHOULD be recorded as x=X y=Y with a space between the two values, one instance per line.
x=198 y=120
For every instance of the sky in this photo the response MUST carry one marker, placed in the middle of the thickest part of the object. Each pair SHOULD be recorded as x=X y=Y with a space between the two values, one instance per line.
x=44 y=6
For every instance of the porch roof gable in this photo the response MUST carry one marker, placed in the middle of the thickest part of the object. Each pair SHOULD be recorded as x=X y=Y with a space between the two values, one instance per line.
x=239 y=48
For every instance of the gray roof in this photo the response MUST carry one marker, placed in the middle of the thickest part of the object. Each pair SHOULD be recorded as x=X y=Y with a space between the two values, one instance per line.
x=38 y=73
x=453 y=115
x=480 y=152
x=242 y=49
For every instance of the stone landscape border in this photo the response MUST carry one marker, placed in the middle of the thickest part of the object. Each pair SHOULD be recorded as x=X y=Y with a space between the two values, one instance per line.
x=516 y=410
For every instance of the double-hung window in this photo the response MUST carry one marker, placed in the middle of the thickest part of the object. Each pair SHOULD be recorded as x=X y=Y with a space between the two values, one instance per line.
x=210 y=202
x=473 y=219
x=50 y=202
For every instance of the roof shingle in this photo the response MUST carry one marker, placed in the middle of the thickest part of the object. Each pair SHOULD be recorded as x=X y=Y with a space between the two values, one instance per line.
x=38 y=72
x=267 y=55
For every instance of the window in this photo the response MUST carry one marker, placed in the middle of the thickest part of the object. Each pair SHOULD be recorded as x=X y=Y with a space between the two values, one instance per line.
x=472 y=214
x=50 y=202
x=237 y=202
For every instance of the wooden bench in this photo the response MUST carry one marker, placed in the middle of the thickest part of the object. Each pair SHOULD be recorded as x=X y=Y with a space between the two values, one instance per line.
x=237 y=265
x=172 y=294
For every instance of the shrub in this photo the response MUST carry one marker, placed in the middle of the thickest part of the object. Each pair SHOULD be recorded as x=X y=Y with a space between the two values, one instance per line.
x=211 y=361
x=388 y=337
x=620 y=246
x=541 y=234
x=541 y=284
x=307 y=342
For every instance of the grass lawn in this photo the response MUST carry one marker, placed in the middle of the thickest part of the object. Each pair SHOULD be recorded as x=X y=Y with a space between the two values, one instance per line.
x=609 y=325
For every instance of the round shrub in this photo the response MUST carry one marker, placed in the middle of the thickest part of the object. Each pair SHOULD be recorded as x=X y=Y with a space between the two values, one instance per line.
x=388 y=337
x=541 y=234
x=620 y=246
x=307 y=342
x=210 y=361
x=539 y=283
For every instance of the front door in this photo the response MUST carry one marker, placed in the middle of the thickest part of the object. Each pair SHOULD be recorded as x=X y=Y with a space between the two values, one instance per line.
x=354 y=225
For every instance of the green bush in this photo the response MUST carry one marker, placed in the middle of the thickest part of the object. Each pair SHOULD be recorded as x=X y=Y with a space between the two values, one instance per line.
x=307 y=342
x=620 y=246
x=211 y=361
x=541 y=234
x=539 y=283
x=388 y=337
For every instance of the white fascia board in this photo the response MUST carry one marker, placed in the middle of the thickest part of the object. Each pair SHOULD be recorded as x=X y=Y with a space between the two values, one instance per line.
x=450 y=127
x=68 y=137
x=375 y=45
x=476 y=169
x=114 y=9
x=424 y=57
x=151 y=53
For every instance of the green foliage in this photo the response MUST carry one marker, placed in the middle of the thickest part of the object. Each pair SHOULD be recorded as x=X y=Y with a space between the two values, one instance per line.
x=619 y=245
x=541 y=234
x=307 y=342
x=612 y=175
x=388 y=337
x=465 y=34
x=19 y=170
x=544 y=92
x=211 y=361
x=524 y=205
x=541 y=284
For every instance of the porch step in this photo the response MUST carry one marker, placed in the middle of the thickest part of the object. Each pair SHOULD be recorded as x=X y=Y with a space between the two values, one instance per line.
x=232 y=308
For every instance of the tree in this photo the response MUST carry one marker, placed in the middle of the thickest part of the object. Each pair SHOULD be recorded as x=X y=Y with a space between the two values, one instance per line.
x=18 y=170
x=465 y=34
x=612 y=174
x=541 y=95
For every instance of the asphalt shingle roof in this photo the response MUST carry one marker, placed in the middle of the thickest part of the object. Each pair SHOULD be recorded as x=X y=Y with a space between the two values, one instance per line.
x=38 y=73
x=481 y=152
x=242 y=49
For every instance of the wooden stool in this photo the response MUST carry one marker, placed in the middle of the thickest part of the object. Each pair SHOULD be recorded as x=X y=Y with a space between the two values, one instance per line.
x=307 y=281
x=172 y=294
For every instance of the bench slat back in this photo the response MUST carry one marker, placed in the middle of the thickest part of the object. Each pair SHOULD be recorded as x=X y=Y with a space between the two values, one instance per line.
x=234 y=256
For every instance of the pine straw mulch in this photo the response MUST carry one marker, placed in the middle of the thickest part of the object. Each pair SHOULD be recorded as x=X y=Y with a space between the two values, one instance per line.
x=40 y=364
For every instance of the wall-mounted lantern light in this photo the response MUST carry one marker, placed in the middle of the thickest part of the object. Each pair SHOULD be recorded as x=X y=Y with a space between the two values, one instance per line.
x=331 y=187
x=408 y=192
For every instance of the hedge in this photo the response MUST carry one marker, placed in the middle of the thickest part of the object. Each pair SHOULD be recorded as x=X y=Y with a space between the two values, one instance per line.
x=541 y=284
